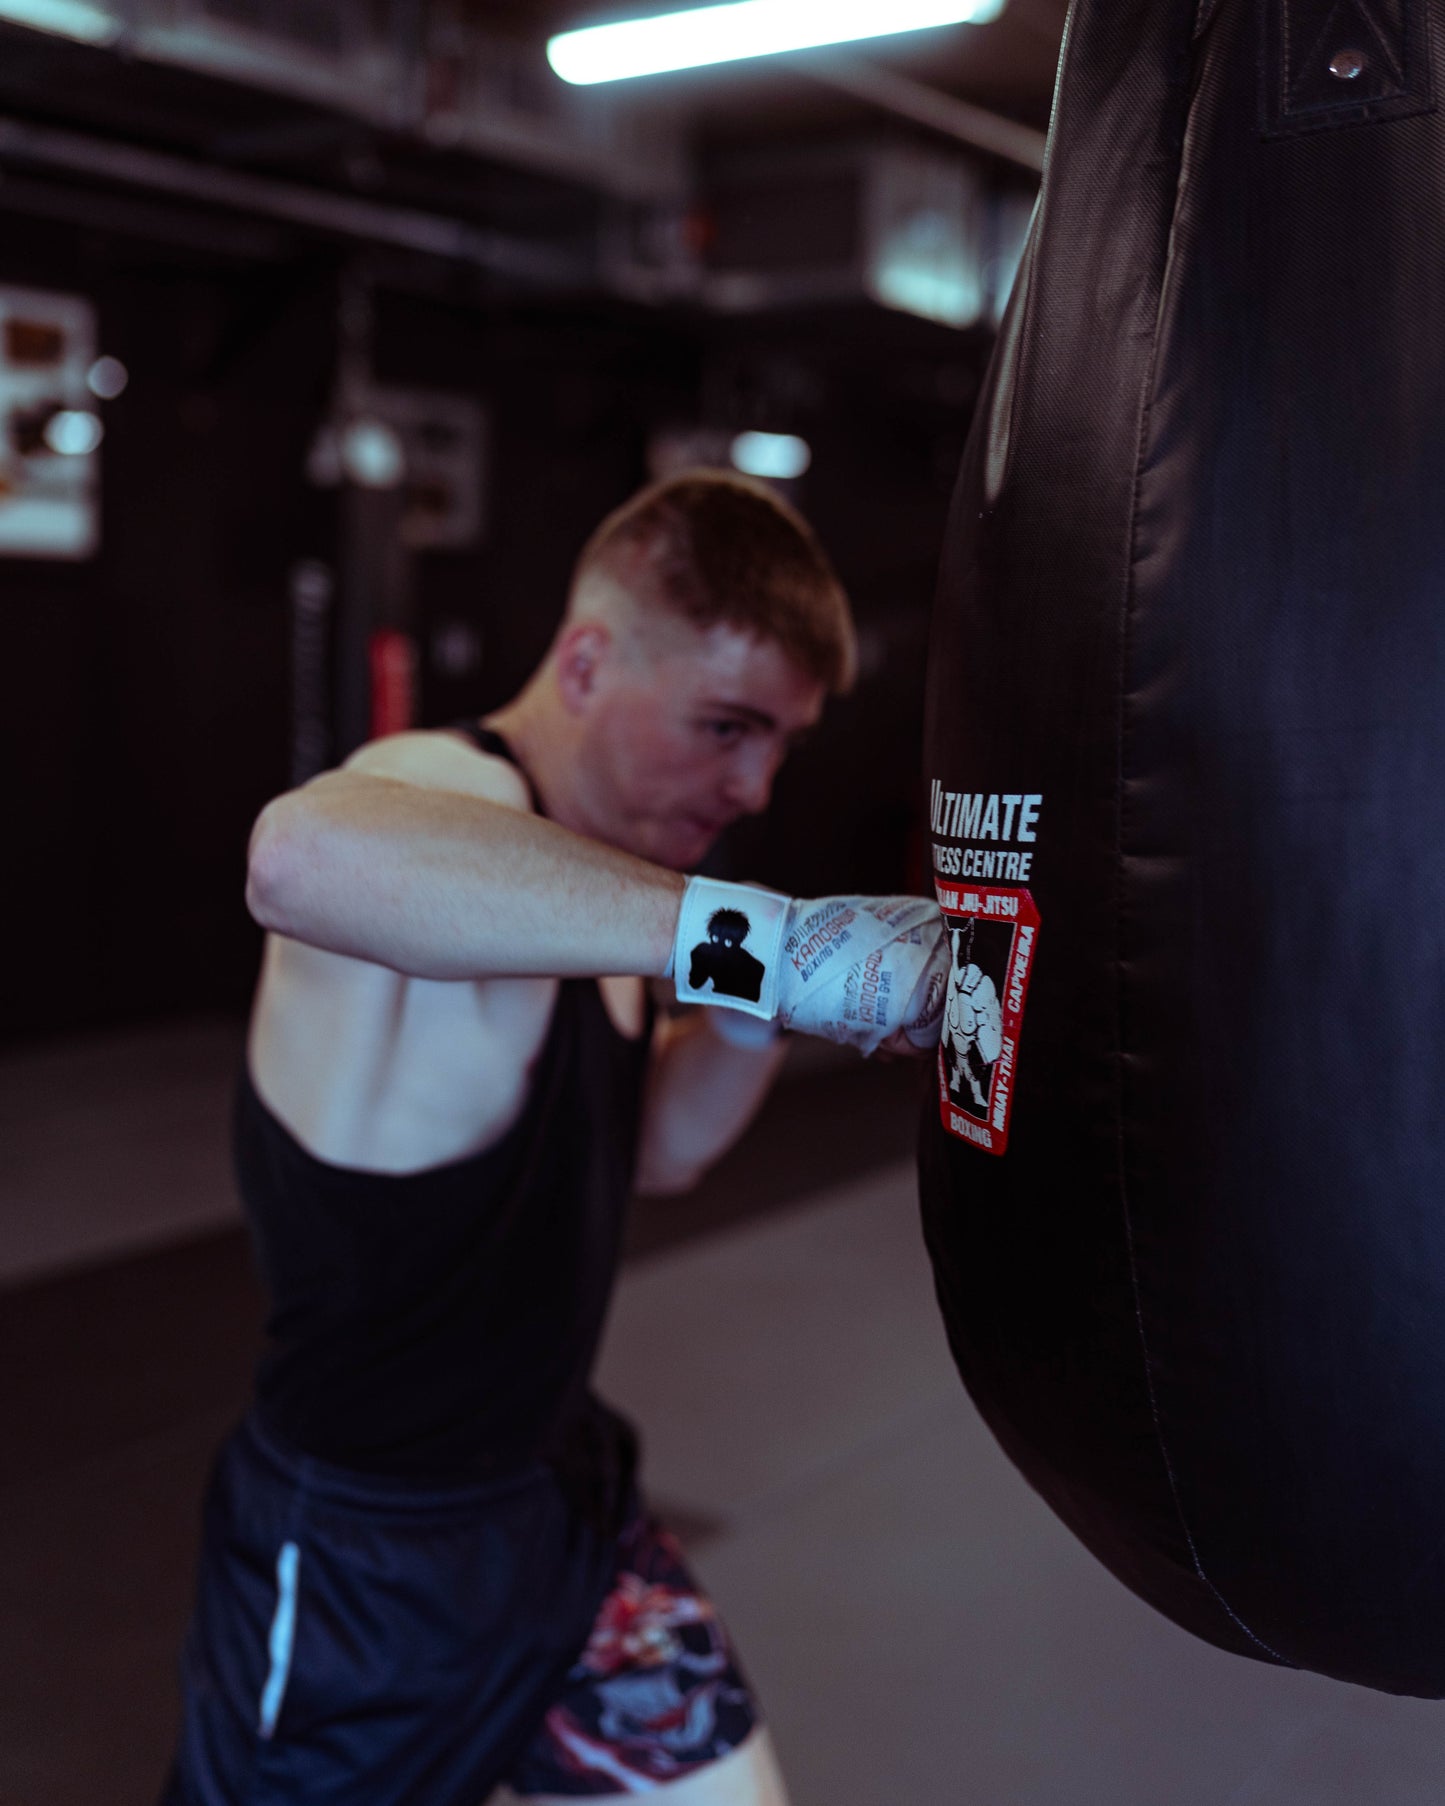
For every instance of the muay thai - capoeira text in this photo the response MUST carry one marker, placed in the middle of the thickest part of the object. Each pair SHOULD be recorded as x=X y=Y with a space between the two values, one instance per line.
x=1002 y=1079
x=1018 y=976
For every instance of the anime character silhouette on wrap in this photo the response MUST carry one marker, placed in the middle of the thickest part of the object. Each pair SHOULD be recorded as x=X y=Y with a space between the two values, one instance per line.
x=723 y=958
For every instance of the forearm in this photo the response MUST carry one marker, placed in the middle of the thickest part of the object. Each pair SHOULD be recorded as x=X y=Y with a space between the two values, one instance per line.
x=702 y=1093
x=436 y=884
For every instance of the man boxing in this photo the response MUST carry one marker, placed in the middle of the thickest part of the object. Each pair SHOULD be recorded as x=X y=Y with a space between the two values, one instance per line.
x=425 y=1567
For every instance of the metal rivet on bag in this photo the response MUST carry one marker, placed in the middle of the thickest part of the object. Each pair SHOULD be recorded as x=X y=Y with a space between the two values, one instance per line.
x=1347 y=64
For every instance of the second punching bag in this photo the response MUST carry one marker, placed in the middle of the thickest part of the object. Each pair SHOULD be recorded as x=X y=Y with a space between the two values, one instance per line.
x=1184 y=1162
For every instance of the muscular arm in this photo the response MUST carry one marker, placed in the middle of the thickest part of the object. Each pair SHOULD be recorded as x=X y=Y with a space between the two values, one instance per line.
x=702 y=1093
x=421 y=859
x=420 y=855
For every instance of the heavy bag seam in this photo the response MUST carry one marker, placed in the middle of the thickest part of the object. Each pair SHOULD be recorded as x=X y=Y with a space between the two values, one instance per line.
x=1204 y=17
x=1145 y=415
x=1015 y=336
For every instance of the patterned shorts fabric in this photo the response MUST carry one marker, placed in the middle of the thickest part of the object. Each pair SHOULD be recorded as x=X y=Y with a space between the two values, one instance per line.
x=657 y=1693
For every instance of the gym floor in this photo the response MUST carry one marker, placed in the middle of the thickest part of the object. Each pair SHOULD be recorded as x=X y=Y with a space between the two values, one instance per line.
x=919 y=1626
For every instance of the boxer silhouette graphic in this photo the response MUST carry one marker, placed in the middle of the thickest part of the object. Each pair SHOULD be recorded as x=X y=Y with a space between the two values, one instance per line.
x=723 y=959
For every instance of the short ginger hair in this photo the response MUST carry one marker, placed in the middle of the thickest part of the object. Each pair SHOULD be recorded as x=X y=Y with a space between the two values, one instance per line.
x=712 y=547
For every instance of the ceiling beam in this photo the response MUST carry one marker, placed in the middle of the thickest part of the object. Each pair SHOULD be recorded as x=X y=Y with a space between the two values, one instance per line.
x=929 y=107
x=335 y=215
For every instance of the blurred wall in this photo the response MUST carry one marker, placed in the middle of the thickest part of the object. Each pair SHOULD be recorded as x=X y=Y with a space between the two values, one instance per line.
x=146 y=696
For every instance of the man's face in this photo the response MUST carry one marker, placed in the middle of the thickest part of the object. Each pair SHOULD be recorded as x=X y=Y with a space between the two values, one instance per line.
x=684 y=739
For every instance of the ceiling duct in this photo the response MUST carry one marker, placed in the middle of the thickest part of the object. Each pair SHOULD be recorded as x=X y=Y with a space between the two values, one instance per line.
x=329 y=27
x=427 y=72
x=921 y=230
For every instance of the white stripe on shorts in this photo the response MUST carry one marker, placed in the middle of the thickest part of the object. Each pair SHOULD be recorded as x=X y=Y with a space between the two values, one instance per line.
x=283 y=1637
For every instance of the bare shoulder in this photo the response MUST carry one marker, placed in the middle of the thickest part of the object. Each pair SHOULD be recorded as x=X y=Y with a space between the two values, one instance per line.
x=374 y=1069
x=442 y=760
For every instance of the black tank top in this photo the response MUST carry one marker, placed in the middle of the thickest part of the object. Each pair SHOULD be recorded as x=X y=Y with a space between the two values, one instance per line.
x=444 y=1323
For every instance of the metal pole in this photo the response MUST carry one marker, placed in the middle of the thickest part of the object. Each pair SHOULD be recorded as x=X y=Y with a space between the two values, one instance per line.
x=925 y=106
x=342 y=216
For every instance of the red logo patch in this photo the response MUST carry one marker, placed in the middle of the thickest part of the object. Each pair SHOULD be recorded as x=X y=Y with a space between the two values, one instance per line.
x=993 y=934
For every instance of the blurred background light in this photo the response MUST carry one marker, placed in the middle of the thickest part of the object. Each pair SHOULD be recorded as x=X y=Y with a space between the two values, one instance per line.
x=778 y=456
x=724 y=34
x=930 y=235
x=107 y=378
x=73 y=433
x=76 y=19
x=929 y=271
x=371 y=454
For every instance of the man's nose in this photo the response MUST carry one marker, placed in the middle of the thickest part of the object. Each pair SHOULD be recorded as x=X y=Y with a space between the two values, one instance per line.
x=749 y=782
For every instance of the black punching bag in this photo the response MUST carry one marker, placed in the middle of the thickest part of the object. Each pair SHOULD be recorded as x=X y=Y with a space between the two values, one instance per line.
x=1184 y=1162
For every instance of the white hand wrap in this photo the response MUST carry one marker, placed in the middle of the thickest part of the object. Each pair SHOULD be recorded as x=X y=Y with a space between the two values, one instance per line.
x=851 y=969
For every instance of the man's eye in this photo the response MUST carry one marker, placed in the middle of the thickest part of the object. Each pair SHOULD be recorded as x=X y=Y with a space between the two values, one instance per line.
x=725 y=731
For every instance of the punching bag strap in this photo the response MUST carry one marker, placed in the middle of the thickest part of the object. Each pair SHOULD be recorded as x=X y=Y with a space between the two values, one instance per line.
x=1331 y=63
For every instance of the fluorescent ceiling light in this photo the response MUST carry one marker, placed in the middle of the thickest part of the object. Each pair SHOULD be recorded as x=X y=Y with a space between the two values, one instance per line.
x=76 y=19
x=724 y=34
x=781 y=456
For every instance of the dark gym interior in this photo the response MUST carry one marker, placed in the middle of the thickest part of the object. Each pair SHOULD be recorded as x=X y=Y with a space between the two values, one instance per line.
x=378 y=320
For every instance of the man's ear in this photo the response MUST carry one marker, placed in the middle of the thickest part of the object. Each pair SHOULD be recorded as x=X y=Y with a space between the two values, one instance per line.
x=582 y=652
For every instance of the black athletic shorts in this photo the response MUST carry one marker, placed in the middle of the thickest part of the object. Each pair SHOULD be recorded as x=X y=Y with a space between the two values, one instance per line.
x=366 y=1640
